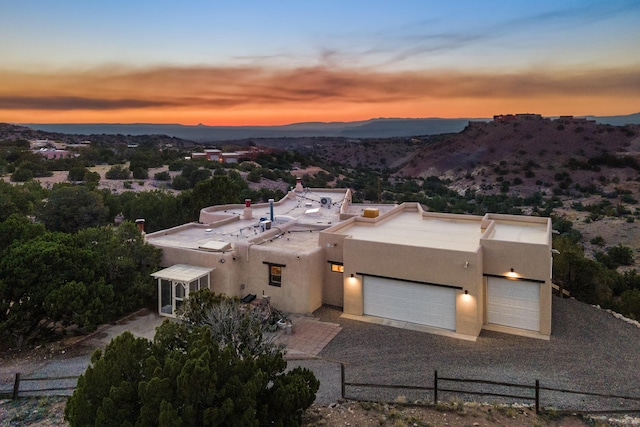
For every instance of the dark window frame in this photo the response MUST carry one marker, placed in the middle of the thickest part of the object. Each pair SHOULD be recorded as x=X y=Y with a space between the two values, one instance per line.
x=274 y=278
x=336 y=266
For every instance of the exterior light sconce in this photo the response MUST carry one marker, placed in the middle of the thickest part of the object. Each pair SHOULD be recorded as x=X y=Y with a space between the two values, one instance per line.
x=222 y=260
x=352 y=276
x=512 y=274
x=466 y=264
x=466 y=292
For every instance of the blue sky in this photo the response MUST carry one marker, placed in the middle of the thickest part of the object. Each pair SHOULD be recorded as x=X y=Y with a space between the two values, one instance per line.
x=257 y=62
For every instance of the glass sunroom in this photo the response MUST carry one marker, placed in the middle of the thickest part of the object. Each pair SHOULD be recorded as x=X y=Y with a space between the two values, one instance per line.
x=176 y=283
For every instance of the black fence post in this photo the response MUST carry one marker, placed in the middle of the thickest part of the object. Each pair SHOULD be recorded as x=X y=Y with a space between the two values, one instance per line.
x=435 y=387
x=342 y=380
x=16 y=386
x=538 y=397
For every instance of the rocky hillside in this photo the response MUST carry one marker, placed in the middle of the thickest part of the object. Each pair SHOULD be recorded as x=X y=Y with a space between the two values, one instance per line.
x=525 y=153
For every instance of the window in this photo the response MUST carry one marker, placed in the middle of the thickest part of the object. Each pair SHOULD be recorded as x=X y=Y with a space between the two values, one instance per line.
x=166 y=304
x=337 y=267
x=204 y=282
x=179 y=290
x=193 y=286
x=275 y=273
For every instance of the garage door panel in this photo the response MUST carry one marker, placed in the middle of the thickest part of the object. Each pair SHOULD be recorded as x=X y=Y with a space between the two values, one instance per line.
x=513 y=303
x=410 y=302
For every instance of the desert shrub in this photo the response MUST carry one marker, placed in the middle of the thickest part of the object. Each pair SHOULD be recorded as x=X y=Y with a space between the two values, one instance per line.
x=117 y=172
x=186 y=377
x=162 y=176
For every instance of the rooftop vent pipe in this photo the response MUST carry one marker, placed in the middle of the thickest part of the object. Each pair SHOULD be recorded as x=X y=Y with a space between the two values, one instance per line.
x=271 y=210
x=248 y=212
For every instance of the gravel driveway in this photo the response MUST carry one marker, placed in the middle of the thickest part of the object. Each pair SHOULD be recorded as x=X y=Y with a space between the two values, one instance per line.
x=590 y=350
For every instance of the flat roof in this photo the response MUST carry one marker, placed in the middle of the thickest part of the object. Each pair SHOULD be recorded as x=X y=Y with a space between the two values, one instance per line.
x=520 y=231
x=322 y=215
x=411 y=228
x=182 y=273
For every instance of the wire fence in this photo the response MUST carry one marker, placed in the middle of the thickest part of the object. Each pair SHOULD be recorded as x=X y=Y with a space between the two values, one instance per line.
x=464 y=388
x=40 y=386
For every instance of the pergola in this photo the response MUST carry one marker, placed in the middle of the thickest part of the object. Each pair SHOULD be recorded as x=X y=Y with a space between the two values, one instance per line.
x=176 y=282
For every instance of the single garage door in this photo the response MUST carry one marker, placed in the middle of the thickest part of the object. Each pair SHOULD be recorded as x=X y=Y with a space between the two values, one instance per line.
x=410 y=302
x=514 y=303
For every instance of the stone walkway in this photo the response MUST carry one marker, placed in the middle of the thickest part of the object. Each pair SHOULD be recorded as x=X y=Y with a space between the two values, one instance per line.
x=309 y=336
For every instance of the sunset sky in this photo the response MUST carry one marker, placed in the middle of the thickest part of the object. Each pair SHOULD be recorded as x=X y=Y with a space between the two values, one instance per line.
x=278 y=62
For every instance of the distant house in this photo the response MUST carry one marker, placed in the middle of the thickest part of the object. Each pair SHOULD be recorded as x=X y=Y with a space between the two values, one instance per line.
x=399 y=265
x=52 y=153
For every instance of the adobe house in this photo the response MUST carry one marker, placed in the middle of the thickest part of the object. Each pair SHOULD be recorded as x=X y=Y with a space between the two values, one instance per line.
x=399 y=265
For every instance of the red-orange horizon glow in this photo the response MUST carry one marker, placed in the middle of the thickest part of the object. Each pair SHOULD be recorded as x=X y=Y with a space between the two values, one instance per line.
x=254 y=96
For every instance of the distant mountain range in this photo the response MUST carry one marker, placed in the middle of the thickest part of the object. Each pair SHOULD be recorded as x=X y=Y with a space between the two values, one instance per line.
x=373 y=128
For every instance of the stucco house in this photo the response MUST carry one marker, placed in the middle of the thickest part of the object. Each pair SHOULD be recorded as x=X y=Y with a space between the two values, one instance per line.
x=395 y=264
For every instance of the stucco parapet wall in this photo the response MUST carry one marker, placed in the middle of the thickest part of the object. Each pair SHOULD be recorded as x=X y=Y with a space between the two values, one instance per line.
x=210 y=215
x=517 y=229
x=173 y=230
x=454 y=217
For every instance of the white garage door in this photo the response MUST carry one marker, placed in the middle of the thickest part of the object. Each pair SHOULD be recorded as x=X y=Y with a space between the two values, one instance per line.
x=514 y=303
x=410 y=302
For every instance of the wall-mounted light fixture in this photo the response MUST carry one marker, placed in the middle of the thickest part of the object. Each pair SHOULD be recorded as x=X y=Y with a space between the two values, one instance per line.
x=466 y=264
x=512 y=274
x=222 y=260
x=352 y=276
x=466 y=292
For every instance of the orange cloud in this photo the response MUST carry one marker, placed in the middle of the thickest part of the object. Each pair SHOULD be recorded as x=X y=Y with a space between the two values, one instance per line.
x=264 y=95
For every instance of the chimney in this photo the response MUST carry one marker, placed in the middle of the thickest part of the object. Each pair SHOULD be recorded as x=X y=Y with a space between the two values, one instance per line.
x=299 y=188
x=140 y=224
x=248 y=212
x=271 y=210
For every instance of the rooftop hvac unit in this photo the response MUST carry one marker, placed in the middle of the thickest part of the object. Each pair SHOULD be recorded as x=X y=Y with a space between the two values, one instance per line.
x=325 y=201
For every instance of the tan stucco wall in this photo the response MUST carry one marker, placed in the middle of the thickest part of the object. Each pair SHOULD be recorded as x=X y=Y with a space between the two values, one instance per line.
x=529 y=262
x=332 y=284
x=418 y=264
x=224 y=279
x=301 y=290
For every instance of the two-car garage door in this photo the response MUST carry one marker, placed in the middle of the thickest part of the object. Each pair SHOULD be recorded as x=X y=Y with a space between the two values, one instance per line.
x=410 y=302
x=514 y=303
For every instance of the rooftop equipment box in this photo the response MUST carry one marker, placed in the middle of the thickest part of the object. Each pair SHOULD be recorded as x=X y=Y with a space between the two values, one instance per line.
x=371 y=213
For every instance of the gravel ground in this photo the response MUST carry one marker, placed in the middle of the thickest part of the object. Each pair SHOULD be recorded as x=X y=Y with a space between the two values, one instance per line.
x=590 y=350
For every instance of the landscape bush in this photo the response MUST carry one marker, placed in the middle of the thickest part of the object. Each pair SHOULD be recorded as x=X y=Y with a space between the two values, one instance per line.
x=187 y=377
x=51 y=281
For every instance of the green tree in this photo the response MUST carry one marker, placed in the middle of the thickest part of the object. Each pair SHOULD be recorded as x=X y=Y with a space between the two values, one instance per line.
x=70 y=208
x=140 y=173
x=162 y=176
x=80 y=279
x=186 y=378
x=77 y=173
x=198 y=175
x=117 y=172
x=180 y=183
